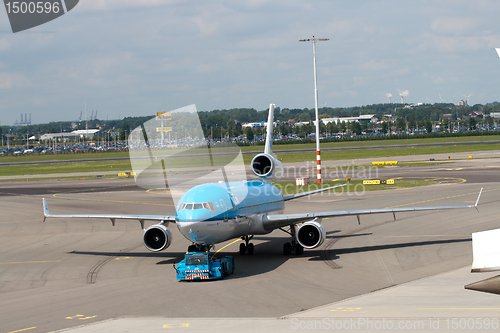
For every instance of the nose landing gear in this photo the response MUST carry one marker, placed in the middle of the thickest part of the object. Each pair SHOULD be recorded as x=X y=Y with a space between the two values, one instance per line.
x=198 y=248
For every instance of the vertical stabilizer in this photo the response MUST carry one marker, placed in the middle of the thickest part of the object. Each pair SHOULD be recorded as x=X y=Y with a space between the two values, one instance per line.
x=266 y=165
x=269 y=137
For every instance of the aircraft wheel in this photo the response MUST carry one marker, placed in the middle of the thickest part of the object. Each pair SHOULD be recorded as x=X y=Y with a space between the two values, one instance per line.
x=192 y=248
x=250 y=248
x=243 y=249
x=287 y=249
x=299 y=250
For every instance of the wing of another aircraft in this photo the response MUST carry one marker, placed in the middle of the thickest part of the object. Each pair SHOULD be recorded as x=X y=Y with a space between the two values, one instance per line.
x=486 y=251
x=275 y=221
x=112 y=217
x=486 y=258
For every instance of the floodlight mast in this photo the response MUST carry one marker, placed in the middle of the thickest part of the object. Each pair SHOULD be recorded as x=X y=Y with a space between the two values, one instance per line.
x=318 y=152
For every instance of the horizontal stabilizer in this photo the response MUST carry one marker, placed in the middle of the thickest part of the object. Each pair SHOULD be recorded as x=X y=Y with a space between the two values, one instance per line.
x=303 y=194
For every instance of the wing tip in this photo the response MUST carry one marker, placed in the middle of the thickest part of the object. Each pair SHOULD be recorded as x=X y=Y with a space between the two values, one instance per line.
x=45 y=209
x=479 y=196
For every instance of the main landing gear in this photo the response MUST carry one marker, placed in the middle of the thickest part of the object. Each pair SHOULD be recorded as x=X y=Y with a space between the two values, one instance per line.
x=292 y=246
x=247 y=247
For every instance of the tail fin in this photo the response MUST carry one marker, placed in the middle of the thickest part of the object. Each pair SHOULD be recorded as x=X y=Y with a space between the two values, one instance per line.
x=266 y=165
x=269 y=137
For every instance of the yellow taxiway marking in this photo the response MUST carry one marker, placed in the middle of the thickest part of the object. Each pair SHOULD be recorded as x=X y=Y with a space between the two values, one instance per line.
x=81 y=317
x=123 y=258
x=172 y=325
x=458 y=308
x=85 y=318
x=74 y=317
x=28 y=262
x=345 y=309
x=24 y=329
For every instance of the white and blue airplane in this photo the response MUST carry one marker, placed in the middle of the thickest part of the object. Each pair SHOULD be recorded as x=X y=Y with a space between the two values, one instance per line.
x=213 y=213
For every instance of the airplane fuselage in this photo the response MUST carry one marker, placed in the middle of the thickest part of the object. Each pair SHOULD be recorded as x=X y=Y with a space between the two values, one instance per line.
x=212 y=213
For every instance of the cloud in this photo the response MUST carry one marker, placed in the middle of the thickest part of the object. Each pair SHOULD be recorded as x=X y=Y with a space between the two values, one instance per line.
x=455 y=43
x=206 y=26
x=454 y=25
x=116 y=5
x=13 y=80
x=4 y=44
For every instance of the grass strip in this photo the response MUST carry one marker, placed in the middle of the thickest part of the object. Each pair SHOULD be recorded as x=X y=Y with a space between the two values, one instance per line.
x=354 y=186
x=291 y=157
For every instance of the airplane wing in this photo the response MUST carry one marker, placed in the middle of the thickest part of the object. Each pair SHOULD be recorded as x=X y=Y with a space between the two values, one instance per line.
x=275 y=221
x=112 y=217
x=486 y=258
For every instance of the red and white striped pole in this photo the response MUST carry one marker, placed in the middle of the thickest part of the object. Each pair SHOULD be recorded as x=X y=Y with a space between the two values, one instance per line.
x=318 y=161
x=318 y=153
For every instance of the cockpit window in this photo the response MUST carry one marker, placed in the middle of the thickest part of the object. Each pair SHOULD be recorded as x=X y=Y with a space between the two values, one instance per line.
x=193 y=206
x=209 y=205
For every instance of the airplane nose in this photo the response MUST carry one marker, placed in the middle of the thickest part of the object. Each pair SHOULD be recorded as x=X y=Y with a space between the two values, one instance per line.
x=187 y=231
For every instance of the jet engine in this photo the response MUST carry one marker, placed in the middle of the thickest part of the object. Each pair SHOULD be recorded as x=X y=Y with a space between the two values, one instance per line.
x=266 y=166
x=157 y=238
x=311 y=235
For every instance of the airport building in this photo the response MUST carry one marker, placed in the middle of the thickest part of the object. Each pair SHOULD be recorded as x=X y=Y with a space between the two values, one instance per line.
x=75 y=135
x=369 y=118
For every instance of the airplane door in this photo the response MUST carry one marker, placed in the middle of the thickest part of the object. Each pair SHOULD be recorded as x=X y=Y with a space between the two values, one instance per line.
x=224 y=208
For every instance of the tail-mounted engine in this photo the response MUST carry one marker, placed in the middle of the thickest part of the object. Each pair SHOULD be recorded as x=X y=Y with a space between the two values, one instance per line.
x=311 y=235
x=266 y=166
x=157 y=238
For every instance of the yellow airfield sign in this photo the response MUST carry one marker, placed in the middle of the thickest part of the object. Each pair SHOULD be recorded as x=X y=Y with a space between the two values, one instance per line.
x=385 y=163
x=164 y=129
x=378 y=182
x=164 y=115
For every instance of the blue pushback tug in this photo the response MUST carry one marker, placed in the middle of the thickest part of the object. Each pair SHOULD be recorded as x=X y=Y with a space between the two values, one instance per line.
x=203 y=266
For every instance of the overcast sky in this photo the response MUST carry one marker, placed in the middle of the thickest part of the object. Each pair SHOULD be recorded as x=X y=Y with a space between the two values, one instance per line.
x=132 y=58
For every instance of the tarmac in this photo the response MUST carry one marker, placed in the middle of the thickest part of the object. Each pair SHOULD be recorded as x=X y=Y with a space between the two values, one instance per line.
x=437 y=303
x=397 y=275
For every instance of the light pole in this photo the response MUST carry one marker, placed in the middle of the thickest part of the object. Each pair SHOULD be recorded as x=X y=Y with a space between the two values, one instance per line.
x=318 y=153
